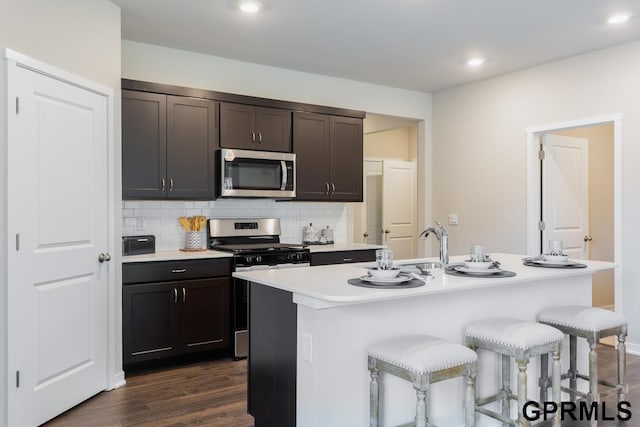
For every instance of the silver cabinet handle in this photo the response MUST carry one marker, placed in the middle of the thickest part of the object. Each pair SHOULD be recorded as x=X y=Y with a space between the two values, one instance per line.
x=253 y=137
x=104 y=257
x=588 y=238
x=179 y=270
x=171 y=184
x=175 y=295
x=333 y=188
x=326 y=191
x=184 y=295
x=259 y=137
x=162 y=185
x=347 y=259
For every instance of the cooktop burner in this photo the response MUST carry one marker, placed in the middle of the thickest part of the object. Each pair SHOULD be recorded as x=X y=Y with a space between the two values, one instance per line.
x=258 y=247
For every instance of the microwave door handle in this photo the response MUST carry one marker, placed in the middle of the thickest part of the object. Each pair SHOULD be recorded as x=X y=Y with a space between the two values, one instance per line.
x=283 y=165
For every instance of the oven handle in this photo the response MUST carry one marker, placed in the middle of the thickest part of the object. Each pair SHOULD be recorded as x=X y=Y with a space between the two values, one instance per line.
x=271 y=267
x=283 y=165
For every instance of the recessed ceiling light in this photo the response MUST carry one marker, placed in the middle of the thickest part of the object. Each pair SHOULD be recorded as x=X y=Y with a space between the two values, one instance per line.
x=250 y=6
x=619 y=18
x=475 y=62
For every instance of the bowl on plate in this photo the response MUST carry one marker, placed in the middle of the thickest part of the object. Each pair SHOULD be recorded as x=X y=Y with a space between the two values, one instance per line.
x=384 y=274
x=478 y=265
x=555 y=258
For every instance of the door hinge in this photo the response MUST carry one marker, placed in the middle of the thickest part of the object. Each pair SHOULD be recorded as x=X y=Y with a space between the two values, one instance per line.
x=17 y=242
x=541 y=154
x=17 y=105
x=541 y=226
x=17 y=379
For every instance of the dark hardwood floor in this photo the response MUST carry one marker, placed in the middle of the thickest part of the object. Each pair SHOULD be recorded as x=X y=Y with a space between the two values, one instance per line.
x=214 y=394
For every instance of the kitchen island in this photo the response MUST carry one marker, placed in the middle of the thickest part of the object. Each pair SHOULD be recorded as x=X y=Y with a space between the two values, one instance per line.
x=310 y=330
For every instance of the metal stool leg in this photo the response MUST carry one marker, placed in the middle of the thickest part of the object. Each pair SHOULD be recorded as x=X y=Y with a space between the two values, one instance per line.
x=593 y=376
x=506 y=387
x=556 y=375
x=622 y=368
x=544 y=377
x=374 y=398
x=573 y=366
x=522 y=393
x=470 y=397
x=422 y=393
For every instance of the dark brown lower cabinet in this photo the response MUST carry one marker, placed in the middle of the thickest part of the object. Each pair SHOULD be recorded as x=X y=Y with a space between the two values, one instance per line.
x=174 y=318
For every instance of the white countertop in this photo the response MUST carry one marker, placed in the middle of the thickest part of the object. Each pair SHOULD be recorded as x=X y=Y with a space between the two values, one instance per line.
x=343 y=247
x=176 y=255
x=326 y=286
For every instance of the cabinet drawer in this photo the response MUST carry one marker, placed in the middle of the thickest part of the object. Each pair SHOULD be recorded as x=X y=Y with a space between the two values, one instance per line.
x=343 y=257
x=164 y=271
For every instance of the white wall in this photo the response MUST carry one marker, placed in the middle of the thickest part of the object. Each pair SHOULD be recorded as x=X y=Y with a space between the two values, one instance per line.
x=82 y=37
x=170 y=66
x=479 y=143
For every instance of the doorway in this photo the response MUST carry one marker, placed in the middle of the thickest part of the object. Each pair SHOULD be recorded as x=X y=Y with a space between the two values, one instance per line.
x=573 y=194
x=389 y=212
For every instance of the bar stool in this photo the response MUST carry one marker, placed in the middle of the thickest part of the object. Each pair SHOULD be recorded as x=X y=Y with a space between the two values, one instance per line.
x=592 y=324
x=422 y=360
x=521 y=340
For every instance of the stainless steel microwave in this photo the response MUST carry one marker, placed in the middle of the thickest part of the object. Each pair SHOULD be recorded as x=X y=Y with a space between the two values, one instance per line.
x=248 y=173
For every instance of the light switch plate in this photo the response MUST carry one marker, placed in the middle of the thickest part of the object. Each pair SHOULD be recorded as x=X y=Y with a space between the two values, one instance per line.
x=453 y=219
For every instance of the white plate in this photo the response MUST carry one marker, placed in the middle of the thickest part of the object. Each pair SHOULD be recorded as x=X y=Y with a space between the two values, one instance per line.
x=482 y=271
x=394 y=281
x=545 y=262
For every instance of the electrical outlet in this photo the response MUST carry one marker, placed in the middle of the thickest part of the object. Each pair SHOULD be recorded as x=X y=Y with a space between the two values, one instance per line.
x=307 y=348
x=453 y=219
x=140 y=223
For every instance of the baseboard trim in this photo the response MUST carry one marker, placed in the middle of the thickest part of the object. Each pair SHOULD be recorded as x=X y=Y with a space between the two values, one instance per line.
x=117 y=381
x=633 y=348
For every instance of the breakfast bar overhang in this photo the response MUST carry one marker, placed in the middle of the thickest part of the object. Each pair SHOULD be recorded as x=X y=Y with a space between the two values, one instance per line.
x=310 y=331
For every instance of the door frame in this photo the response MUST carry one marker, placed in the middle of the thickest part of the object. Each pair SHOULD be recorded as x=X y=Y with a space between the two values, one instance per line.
x=534 y=187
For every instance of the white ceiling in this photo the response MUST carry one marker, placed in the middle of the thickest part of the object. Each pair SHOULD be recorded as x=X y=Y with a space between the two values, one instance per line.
x=414 y=44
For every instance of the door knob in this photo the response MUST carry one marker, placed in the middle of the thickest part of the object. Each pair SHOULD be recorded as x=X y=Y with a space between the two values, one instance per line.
x=387 y=231
x=588 y=238
x=104 y=257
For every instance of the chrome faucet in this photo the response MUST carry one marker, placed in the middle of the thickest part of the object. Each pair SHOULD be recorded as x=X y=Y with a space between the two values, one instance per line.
x=443 y=237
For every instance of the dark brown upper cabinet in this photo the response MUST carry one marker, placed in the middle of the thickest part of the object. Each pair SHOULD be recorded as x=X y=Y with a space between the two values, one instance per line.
x=249 y=127
x=328 y=157
x=168 y=146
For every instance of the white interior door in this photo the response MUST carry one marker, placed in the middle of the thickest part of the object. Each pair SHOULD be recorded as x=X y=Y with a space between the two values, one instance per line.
x=57 y=211
x=399 y=213
x=565 y=193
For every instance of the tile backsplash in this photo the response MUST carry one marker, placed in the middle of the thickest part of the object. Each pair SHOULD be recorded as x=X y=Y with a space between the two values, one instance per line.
x=160 y=218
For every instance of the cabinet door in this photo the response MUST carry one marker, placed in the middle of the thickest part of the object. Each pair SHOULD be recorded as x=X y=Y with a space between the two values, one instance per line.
x=191 y=144
x=204 y=315
x=149 y=319
x=273 y=127
x=346 y=159
x=311 y=146
x=144 y=142
x=237 y=126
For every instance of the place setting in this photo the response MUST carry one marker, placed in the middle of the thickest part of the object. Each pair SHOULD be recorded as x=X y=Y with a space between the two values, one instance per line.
x=479 y=264
x=385 y=275
x=554 y=258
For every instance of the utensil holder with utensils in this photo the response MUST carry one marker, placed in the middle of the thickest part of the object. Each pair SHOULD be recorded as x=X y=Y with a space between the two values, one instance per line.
x=194 y=236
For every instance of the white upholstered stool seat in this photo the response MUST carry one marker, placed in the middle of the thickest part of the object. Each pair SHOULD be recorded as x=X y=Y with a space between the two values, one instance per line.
x=592 y=324
x=521 y=340
x=422 y=360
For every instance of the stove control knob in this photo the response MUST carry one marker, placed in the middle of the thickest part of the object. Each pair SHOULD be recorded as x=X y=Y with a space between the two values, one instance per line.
x=258 y=258
x=300 y=257
x=248 y=259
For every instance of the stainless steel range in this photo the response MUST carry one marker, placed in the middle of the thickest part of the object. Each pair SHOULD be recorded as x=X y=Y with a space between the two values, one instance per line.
x=255 y=244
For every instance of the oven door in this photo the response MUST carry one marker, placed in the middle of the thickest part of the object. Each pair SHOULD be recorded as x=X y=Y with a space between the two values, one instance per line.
x=246 y=173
